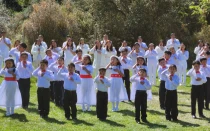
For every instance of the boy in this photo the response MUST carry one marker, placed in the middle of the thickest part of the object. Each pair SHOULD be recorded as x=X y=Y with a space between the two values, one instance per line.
x=25 y=70
x=167 y=57
x=126 y=65
x=77 y=60
x=71 y=79
x=44 y=77
x=142 y=84
x=102 y=84
x=171 y=84
x=197 y=80
x=206 y=68
x=58 y=81
x=162 y=90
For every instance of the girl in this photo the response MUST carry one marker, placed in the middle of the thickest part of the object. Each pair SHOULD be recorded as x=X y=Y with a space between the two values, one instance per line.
x=38 y=52
x=84 y=47
x=198 y=48
x=151 y=56
x=124 y=45
x=140 y=63
x=69 y=51
x=160 y=49
x=107 y=52
x=183 y=56
x=96 y=50
x=117 y=91
x=86 y=92
x=202 y=52
x=55 y=48
x=15 y=48
x=77 y=60
x=10 y=97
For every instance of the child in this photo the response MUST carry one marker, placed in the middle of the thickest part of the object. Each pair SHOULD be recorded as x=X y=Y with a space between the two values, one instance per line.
x=151 y=56
x=77 y=60
x=140 y=63
x=102 y=83
x=58 y=81
x=84 y=47
x=160 y=49
x=171 y=84
x=168 y=59
x=117 y=90
x=162 y=90
x=197 y=80
x=86 y=92
x=142 y=84
x=135 y=53
x=126 y=63
x=24 y=69
x=206 y=68
x=71 y=79
x=44 y=77
x=69 y=51
x=125 y=45
x=10 y=97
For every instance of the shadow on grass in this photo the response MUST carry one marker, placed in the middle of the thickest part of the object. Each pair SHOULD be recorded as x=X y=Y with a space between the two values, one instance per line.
x=19 y=117
x=113 y=123
x=126 y=112
x=91 y=113
x=154 y=125
x=31 y=104
x=155 y=93
x=184 y=105
x=32 y=110
x=156 y=112
x=2 y=111
x=186 y=124
x=129 y=103
x=53 y=120
x=77 y=122
x=183 y=112
x=183 y=93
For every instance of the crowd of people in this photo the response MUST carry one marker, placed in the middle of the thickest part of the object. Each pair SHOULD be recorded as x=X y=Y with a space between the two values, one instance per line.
x=65 y=75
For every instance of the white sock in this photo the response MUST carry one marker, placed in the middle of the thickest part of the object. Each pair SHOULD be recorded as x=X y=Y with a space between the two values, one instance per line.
x=117 y=103
x=113 y=105
x=12 y=110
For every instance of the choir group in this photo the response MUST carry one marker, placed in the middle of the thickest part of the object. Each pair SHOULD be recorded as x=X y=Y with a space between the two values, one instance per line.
x=65 y=75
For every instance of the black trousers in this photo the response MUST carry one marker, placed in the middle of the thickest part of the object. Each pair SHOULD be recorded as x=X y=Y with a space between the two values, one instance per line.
x=171 y=104
x=52 y=91
x=69 y=103
x=24 y=86
x=101 y=105
x=140 y=104
x=43 y=95
x=197 y=95
x=59 y=91
x=162 y=93
x=126 y=80
x=207 y=93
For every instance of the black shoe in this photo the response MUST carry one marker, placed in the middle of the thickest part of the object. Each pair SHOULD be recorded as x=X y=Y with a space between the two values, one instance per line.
x=138 y=121
x=74 y=119
x=67 y=118
x=202 y=116
x=194 y=117
x=162 y=108
x=168 y=119
x=130 y=101
x=25 y=107
x=145 y=120
x=102 y=119
x=175 y=119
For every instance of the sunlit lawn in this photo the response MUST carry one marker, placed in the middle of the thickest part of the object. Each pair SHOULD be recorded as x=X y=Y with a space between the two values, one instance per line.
x=123 y=120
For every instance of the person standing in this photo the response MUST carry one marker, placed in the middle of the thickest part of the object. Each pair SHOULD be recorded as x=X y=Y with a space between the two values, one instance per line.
x=173 y=42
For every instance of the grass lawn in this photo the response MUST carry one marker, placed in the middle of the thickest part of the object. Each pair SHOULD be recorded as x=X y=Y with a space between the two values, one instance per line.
x=122 y=120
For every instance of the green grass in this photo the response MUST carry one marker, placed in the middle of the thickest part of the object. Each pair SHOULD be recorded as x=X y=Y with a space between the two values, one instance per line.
x=122 y=120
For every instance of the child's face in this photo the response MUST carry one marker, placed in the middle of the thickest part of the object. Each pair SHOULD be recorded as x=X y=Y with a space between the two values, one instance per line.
x=79 y=54
x=161 y=43
x=85 y=60
x=172 y=69
x=71 y=69
x=49 y=53
x=43 y=66
x=162 y=63
x=167 y=56
x=140 y=61
x=9 y=64
x=172 y=50
x=102 y=73
x=24 y=57
x=21 y=49
x=151 y=47
x=60 y=62
x=114 y=61
x=142 y=73
x=196 y=67
x=203 y=62
x=124 y=53
x=136 y=47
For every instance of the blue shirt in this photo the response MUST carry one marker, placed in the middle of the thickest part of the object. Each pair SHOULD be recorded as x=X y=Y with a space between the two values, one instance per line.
x=102 y=86
x=170 y=84
x=136 y=79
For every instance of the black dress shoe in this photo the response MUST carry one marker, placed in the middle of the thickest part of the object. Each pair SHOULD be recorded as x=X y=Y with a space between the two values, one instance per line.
x=145 y=120
x=194 y=117
x=138 y=121
x=168 y=119
x=175 y=119
x=202 y=116
x=74 y=119
x=67 y=118
x=162 y=108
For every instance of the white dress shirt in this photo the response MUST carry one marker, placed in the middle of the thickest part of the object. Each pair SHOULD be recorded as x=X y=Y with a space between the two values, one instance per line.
x=170 y=84
x=38 y=52
x=43 y=81
x=160 y=70
x=151 y=56
x=126 y=47
x=84 y=47
x=137 y=79
x=51 y=59
x=23 y=72
x=205 y=69
x=76 y=59
x=160 y=51
x=136 y=69
x=58 y=50
x=17 y=54
x=192 y=73
x=126 y=65
x=171 y=43
x=102 y=86
x=54 y=67
x=69 y=84
x=182 y=56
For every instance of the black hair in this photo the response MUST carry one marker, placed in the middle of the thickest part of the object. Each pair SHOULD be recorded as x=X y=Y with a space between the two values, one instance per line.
x=102 y=69
x=161 y=59
x=203 y=59
x=52 y=42
x=208 y=53
x=136 y=43
x=111 y=47
x=71 y=46
x=24 y=53
x=71 y=65
x=97 y=46
x=174 y=66
x=142 y=69
x=44 y=62
x=125 y=50
x=168 y=53
x=196 y=62
x=13 y=62
x=142 y=59
x=47 y=51
x=90 y=62
x=23 y=45
x=60 y=58
x=78 y=50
